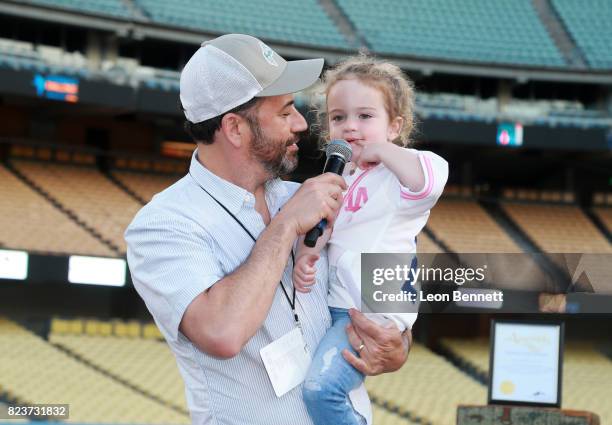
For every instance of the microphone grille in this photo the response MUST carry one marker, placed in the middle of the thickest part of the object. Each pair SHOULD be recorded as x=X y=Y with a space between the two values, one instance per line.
x=339 y=147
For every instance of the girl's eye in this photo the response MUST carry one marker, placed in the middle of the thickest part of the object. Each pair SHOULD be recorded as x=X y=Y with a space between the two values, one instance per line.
x=365 y=116
x=336 y=118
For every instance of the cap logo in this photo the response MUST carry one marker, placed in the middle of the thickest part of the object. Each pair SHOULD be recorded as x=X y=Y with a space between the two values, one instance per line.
x=268 y=54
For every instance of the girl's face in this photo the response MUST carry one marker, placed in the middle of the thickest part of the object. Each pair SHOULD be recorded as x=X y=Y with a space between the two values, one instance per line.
x=356 y=111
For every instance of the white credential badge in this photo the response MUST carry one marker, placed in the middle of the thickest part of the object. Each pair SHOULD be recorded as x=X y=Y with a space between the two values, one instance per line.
x=268 y=54
x=287 y=361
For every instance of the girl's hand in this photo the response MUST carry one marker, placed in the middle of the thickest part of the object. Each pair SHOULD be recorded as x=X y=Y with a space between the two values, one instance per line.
x=304 y=272
x=370 y=153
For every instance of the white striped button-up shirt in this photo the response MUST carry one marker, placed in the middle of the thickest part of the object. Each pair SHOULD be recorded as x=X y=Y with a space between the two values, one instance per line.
x=182 y=243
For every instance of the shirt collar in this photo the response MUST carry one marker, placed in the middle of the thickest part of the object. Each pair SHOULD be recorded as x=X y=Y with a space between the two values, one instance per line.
x=233 y=197
x=275 y=191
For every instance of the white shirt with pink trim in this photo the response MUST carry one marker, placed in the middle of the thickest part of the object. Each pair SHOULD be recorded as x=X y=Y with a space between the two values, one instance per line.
x=379 y=215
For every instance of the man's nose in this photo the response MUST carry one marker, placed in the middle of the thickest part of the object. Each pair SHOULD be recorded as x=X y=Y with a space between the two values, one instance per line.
x=298 y=123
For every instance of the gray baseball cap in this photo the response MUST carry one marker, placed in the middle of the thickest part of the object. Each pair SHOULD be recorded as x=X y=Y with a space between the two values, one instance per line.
x=232 y=69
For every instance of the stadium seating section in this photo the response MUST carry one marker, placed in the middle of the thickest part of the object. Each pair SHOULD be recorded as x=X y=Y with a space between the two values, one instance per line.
x=505 y=31
x=84 y=191
x=410 y=389
x=147 y=365
x=540 y=112
x=586 y=373
x=554 y=196
x=78 y=155
x=382 y=416
x=30 y=222
x=33 y=370
x=19 y=55
x=558 y=228
x=55 y=200
x=426 y=245
x=464 y=226
x=92 y=361
x=602 y=198
x=66 y=195
x=116 y=372
x=96 y=328
x=151 y=166
x=22 y=55
x=303 y=22
x=605 y=215
x=590 y=28
x=115 y=8
x=145 y=185
x=477 y=31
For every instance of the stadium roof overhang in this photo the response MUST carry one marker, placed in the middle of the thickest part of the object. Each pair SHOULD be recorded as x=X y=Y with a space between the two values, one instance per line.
x=67 y=17
x=139 y=29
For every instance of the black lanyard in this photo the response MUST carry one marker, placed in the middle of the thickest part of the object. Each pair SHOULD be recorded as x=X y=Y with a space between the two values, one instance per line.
x=291 y=300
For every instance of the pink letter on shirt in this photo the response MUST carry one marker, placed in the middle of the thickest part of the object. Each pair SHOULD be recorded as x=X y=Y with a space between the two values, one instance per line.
x=354 y=205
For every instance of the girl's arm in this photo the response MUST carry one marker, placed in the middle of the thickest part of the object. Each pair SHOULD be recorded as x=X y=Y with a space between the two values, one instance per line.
x=402 y=162
x=304 y=270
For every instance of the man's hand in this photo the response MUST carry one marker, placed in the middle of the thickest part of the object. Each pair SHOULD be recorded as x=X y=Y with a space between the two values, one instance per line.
x=381 y=349
x=317 y=198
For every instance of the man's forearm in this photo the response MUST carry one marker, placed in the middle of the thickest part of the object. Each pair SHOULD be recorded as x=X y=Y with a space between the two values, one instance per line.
x=223 y=318
x=246 y=298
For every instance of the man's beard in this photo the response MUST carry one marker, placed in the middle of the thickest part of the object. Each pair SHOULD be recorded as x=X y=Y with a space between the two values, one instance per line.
x=272 y=153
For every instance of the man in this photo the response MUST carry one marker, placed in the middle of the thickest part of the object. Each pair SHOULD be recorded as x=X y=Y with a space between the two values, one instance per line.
x=211 y=255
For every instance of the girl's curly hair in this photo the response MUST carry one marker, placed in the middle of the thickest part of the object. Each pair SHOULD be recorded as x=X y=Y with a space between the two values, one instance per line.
x=397 y=89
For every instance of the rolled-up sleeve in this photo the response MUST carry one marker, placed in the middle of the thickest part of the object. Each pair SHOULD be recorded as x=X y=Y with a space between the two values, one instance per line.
x=171 y=262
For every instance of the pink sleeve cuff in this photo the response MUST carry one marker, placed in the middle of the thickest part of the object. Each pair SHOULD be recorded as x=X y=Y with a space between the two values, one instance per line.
x=405 y=193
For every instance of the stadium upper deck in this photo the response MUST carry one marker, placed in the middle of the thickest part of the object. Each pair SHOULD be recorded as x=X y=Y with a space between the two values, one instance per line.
x=512 y=40
x=590 y=28
x=506 y=31
x=512 y=32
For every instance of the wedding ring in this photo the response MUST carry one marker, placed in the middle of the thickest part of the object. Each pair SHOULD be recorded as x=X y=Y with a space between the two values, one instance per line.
x=361 y=347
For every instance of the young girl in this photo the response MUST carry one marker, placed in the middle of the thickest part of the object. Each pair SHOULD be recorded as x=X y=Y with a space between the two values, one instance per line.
x=370 y=104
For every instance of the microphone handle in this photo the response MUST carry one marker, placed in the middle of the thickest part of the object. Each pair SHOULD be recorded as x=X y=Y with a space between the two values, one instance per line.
x=334 y=164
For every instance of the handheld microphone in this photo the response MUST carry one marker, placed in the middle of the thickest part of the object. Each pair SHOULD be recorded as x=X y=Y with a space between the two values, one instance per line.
x=338 y=153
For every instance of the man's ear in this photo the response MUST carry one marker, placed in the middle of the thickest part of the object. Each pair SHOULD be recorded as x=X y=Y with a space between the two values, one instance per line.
x=234 y=129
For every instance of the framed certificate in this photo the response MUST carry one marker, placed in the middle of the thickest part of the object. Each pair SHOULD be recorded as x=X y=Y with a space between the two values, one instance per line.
x=525 y=363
